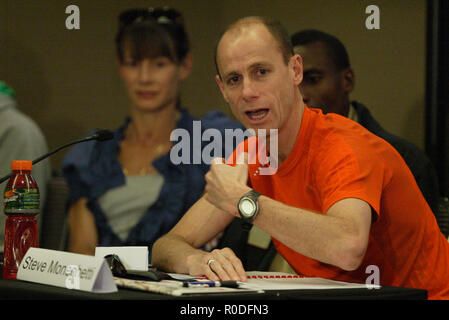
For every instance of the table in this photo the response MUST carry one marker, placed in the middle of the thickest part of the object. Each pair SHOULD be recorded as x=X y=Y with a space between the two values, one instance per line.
x=17 y=289
x=268 y=305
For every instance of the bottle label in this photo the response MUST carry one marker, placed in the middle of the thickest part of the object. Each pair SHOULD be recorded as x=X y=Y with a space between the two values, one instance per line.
x=21 y=200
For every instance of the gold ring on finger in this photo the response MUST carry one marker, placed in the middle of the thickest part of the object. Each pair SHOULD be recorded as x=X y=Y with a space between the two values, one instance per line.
x=209 y=262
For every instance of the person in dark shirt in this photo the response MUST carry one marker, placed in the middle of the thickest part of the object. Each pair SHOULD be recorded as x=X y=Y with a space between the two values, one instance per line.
x=328 y=82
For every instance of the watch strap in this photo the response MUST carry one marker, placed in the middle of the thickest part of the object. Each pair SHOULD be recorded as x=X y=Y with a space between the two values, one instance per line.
x=246 y=225
x=253 y=194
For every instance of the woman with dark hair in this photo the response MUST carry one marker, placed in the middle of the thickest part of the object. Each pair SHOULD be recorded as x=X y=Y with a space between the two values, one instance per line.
x=127 y=191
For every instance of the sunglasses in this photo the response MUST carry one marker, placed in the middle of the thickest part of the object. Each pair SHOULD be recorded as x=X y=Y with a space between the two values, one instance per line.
x=119 y=270
x=116 y=266
x=162 y=15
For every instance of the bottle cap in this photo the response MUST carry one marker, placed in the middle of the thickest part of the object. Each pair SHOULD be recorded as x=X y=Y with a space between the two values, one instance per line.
x=21 y=165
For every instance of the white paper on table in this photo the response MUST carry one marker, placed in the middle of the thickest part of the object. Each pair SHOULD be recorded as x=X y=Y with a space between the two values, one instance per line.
x=175 y=288
x=283 y=281
x=181 y=277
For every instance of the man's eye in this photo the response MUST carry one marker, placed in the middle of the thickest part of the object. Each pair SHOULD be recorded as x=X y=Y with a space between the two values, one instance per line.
x=312 y=79
x=233 y=80
x=262 y=71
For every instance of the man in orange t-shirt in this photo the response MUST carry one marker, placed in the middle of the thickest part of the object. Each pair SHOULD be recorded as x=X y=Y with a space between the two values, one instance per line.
x=339 y=200
x=405 y=242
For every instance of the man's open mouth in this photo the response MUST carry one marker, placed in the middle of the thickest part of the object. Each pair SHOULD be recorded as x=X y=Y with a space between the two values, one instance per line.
x=257 y=114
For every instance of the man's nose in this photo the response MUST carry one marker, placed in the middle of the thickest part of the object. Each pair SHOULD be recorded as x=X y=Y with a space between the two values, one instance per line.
x=249 y=90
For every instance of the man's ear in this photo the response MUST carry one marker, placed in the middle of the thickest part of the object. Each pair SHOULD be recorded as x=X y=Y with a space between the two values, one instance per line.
x=220 y=85
x=186 y=66
x=296 y=65
x=348 y=80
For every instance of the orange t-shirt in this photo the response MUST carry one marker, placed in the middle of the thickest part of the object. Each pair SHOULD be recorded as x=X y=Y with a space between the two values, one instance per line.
x=336 y=158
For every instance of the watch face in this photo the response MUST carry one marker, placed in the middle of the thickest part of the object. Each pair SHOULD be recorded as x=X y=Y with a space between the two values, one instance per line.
x=247 y=208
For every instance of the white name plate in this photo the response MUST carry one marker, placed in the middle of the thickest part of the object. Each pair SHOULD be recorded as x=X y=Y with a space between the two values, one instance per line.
x=67 y=270
x=133 y=258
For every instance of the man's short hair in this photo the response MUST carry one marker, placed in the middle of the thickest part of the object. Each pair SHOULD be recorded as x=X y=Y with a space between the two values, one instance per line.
x=334 y=47
x=275 y=28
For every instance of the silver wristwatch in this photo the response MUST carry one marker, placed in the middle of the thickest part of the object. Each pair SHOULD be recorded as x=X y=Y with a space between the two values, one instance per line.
x=248 y=207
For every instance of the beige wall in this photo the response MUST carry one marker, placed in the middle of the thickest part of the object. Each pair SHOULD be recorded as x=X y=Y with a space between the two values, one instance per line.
x=66 y=79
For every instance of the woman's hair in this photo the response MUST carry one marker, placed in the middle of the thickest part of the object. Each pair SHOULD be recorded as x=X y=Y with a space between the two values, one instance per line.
x=151 y=33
